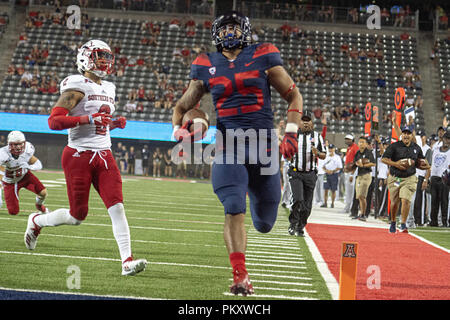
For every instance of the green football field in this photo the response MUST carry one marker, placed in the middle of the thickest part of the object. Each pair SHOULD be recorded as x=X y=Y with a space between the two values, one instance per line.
x=176 y=225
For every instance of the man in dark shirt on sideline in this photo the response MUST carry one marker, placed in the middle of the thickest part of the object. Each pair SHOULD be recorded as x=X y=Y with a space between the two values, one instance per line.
x=402 y=180
x=364 y=160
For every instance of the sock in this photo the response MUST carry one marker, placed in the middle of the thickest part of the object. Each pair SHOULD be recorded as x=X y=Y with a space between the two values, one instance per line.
x=237 y=260
x=121 y=230
x=40 y=200
x=56 y=218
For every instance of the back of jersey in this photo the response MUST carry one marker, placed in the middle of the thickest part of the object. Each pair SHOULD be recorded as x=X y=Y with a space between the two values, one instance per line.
x=97 y=98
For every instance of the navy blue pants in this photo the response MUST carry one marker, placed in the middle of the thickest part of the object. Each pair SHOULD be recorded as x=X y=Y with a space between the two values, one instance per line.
x=232 y=182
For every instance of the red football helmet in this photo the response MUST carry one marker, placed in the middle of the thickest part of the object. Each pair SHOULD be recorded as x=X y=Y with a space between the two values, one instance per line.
x=16 y=143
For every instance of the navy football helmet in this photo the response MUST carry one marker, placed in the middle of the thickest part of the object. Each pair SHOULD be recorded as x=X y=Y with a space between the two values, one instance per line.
x=231 y=41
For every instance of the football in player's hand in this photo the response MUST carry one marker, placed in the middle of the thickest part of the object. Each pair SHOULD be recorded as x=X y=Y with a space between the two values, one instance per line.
x=200 y=120
x=350 y=166
x=422 y=164
x=407 y=163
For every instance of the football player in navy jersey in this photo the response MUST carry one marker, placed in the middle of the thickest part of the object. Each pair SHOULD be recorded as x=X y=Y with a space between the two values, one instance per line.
x=239 y=76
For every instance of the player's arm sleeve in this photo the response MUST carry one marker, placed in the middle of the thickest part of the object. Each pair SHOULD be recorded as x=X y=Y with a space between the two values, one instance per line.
x=59 y=119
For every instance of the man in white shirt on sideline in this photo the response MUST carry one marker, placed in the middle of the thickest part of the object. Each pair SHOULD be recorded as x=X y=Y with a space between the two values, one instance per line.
x=332 y=165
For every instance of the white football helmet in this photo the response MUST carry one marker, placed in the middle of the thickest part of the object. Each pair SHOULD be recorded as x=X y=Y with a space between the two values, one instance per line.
x=95 y=56
x=16 y=142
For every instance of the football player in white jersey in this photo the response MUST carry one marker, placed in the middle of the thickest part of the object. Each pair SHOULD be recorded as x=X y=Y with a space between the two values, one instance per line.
x=85 y=108
x=16 y=161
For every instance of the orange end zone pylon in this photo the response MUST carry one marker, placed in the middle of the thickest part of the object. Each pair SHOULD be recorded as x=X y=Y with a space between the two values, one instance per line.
x=347 y=273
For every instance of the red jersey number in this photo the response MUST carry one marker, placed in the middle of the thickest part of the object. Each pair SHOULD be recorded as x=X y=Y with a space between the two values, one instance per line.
x=242 y=89
x=101 y=130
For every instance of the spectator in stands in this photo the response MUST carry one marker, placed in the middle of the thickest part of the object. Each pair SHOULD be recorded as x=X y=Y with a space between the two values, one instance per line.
x=400 y=18
x=186 y=56
x=404 y=36
x=418 y=103
x=409 y=102
x=174 y=24
x=23 y=38
x=159 y=103
x=385 y=16
x=353 y=15
x=25 y=80
x=176 y=54
x=345 y=48
x=190 y=26
x=381 y=82
x=11 y=70
x=53 y=87
x=285 y=32
x=43 y=56
x=140 y=94
x=120 y=71
x=443 y=22
x=132 y=94
x=20 y=70
x=84 y=3
x=380 y=55
x=354 y=53
x=362 y=55
x=140 y=107
x=130 y=106
x=151 y=96
x=417 y=82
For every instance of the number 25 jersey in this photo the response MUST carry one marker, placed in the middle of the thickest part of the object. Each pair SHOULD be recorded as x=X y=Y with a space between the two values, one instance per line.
x=97 y=98
x=240 y=88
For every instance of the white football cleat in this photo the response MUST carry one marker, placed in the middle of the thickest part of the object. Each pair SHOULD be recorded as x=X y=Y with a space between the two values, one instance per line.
x=32 y=232
x=132 y=267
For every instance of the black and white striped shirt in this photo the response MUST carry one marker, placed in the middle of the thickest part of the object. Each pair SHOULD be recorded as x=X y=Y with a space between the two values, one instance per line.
x=304 y=160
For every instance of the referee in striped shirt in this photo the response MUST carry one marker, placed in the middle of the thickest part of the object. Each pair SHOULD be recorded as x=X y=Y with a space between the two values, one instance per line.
x=303 y=174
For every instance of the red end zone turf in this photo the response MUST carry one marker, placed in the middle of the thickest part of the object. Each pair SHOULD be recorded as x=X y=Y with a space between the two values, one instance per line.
x=409 y=268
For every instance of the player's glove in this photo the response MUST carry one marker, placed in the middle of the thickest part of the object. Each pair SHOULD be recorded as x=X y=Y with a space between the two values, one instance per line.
x=120 y=123
x=100 y=119
x=183 y=133
x=289 y=145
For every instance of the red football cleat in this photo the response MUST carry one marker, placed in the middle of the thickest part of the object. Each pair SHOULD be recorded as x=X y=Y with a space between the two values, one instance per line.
x=241 y=283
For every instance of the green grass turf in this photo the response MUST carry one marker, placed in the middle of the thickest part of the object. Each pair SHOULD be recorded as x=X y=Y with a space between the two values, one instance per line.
x=177 y=226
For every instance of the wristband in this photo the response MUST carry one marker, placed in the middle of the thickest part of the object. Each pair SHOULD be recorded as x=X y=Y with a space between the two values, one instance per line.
x=295 y=110
x=291 y=127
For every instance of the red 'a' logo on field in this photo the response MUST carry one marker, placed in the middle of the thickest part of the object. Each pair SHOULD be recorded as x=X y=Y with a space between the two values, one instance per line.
x=349 y=250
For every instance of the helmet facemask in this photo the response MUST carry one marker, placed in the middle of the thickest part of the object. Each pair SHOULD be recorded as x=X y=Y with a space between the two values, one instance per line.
x=231 y=31
x=95 y=57
x=103 y=61
x=16 y=143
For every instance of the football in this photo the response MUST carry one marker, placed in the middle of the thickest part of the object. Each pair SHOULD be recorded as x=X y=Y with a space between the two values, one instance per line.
x=199 y=118
x=350 y=167
x=407 y=162
x=363 y=161
x=420 y=163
